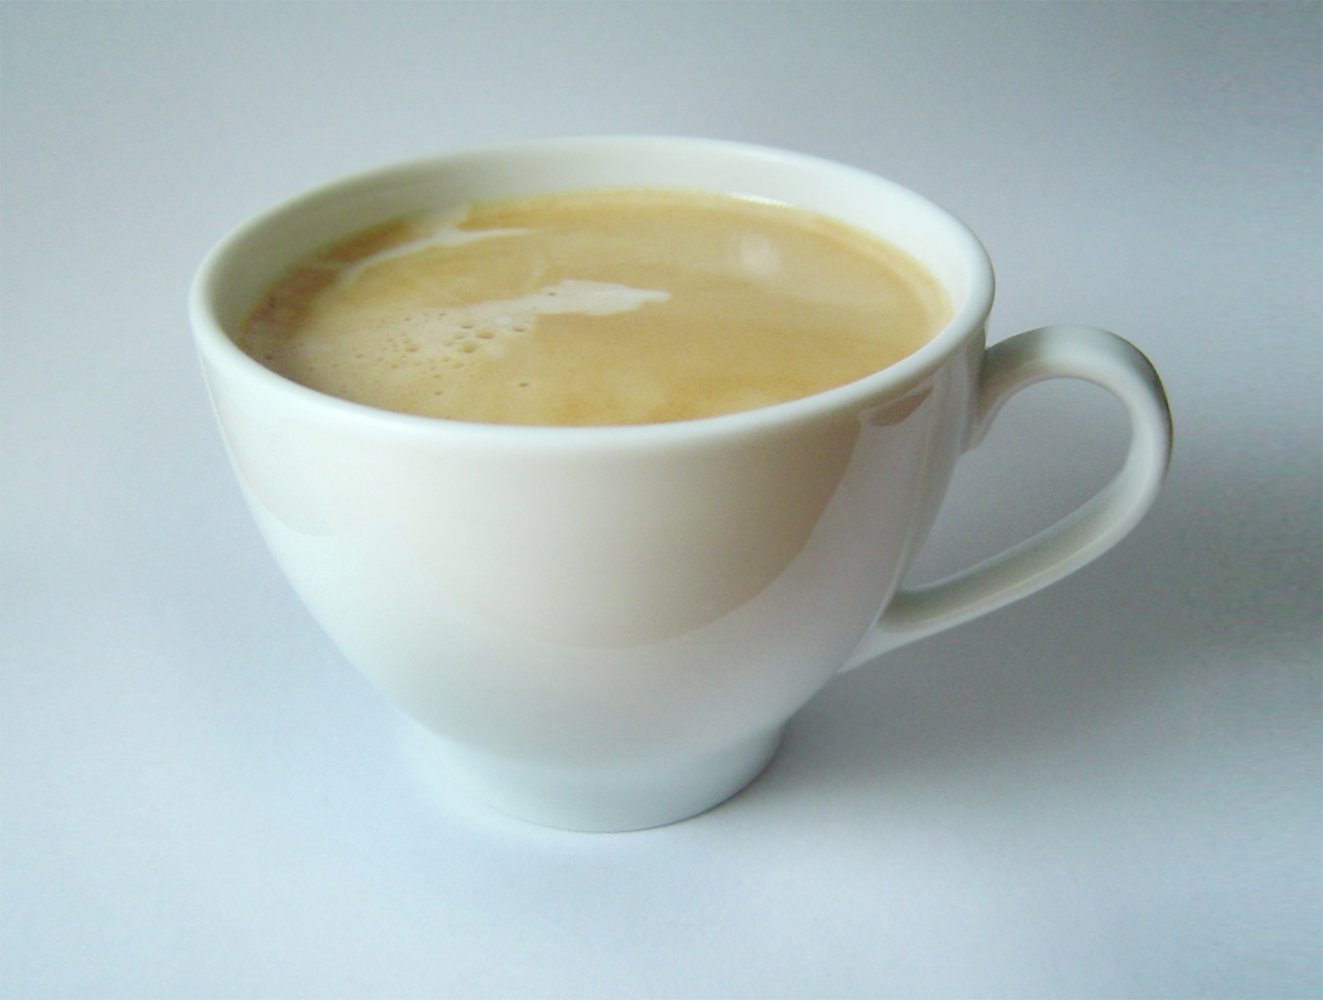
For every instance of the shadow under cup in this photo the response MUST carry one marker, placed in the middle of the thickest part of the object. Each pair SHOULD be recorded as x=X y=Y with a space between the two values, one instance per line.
x=601 y=628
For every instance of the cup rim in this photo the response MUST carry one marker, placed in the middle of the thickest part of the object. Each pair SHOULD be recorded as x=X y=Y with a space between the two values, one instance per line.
x=220 y=351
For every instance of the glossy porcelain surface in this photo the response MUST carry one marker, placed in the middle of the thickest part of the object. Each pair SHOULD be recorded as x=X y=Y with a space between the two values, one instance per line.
x=608 y=628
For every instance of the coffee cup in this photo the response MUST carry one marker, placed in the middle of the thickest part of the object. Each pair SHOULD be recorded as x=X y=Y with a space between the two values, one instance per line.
x=609 y=627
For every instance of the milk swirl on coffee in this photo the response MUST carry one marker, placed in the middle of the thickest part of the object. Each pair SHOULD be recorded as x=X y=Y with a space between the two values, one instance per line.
x=592 y=308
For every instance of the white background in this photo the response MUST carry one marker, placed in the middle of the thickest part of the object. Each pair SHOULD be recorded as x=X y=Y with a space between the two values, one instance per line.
x=1109 y=790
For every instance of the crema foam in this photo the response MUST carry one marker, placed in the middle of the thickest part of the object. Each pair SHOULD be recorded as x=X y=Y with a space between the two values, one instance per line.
x=593 y=308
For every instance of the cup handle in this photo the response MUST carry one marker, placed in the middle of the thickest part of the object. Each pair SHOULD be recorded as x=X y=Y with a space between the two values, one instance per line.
x=1051 y=352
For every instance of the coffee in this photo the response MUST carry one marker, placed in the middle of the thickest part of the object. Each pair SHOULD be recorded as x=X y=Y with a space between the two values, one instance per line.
x=593 y=308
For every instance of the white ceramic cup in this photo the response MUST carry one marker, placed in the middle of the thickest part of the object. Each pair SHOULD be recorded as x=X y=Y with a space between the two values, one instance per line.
x=609 y=628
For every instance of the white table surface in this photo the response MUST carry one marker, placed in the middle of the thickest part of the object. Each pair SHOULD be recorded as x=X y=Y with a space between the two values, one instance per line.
x=1111 y=789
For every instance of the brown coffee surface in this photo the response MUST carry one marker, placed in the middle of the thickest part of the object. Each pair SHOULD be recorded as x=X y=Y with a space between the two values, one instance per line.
x=596 y=308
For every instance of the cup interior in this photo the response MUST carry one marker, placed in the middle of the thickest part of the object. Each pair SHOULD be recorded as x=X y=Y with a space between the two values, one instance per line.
x=244 y=264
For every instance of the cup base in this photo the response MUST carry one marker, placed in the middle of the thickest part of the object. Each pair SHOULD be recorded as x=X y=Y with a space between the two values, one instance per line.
x=602 y=800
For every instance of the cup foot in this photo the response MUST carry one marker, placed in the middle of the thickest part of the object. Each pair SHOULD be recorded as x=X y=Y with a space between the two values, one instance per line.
x=601 y=800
